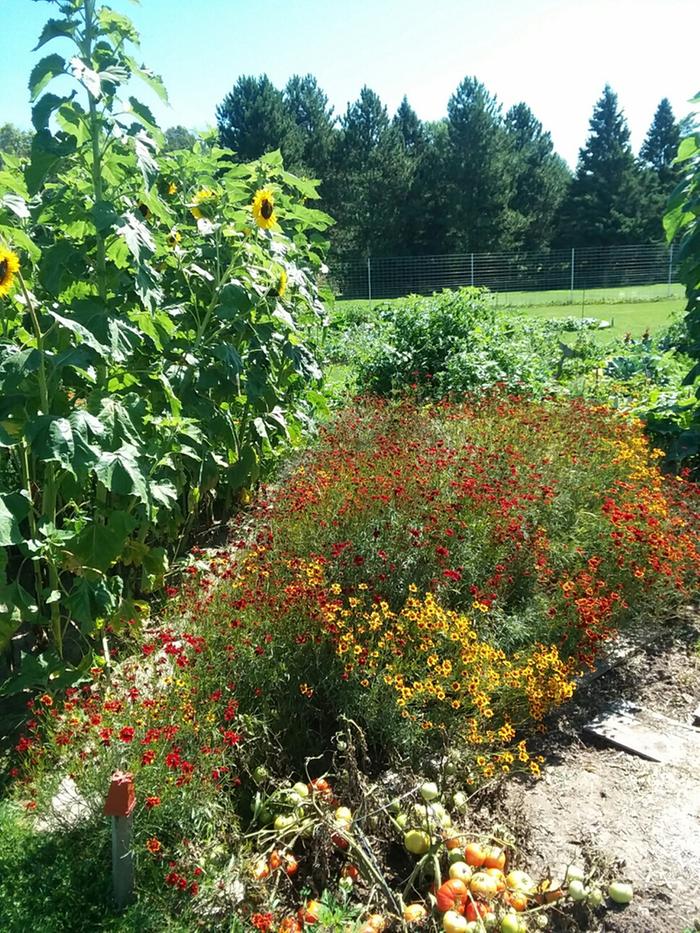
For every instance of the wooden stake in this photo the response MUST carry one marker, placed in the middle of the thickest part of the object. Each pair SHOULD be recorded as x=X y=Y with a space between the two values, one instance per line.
x=120 y=804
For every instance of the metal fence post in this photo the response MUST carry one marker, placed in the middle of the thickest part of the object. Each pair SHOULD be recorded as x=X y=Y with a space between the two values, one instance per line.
x=670 y=269
x=369 y=279
x=472 y=265
x=571 y=288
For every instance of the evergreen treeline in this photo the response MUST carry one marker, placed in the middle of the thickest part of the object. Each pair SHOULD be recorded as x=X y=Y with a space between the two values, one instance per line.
x=479 y=180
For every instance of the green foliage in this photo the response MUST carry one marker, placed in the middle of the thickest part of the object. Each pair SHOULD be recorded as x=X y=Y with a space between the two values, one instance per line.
x=682 y=222
x=179 y=137
x=155 y=353
x=14 y=142
x=456 y=342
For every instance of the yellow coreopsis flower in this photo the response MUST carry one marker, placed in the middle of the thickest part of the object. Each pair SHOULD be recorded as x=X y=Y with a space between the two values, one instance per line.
x=264 y=208
x=9 y=267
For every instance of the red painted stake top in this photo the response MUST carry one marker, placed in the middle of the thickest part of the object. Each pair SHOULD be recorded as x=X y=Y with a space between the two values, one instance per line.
x=121 y=798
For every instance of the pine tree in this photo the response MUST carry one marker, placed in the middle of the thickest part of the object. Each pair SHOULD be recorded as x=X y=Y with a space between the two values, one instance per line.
x=661 y=143
x=603 y=207
x=479 y=172
x=308 y=108
x=371 y=179
x=410 y=127
x=659 y=174
x=252 y=120
x=541 y=178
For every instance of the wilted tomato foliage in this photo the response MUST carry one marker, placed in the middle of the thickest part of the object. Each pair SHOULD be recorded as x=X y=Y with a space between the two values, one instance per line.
x=437 y=574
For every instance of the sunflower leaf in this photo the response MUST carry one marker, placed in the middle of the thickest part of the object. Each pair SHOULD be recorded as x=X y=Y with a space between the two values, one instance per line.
x=56 y=29
x=49 y=67
x=87 y=77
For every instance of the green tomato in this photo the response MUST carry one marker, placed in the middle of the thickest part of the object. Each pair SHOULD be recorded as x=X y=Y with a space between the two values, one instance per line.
x=595 y=898
x=265 y=816
x=511 y=924
x=260 y=774
x=283 y=822
x=394 y=806
x=621 y=892
x=300 y=789
x=576 y=890
x=574 y=873
x=490 y=920
x=459 y=799
x=429 y=791
x=402 y=820
x=416 y=841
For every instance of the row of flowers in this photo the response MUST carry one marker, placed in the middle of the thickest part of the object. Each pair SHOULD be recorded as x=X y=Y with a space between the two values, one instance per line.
x=439 y=576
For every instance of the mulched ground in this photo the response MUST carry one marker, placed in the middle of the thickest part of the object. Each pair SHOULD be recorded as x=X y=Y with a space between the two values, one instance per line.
x=637 y=819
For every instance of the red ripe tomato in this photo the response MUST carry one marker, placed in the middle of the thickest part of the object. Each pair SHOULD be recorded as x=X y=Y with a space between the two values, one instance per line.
x=275 y=861
x=351 y=871
x=291 y=866
x=452 y=895
x=475 y=910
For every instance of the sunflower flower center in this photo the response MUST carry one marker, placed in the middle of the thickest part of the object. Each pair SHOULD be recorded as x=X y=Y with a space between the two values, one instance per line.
x=4 y=266
x=266 y=208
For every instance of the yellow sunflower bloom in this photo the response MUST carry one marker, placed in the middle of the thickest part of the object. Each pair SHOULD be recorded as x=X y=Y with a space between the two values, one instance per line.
x=202 y=203
x=9 y=267
x=172 y=188
x=282 y=283
x=264 y=208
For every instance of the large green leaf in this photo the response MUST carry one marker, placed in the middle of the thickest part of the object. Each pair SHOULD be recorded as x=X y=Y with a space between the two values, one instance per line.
x=121 y=473
x=51 y=440
x=10 y=532
x=98 y=546
x=56 y=29
x=49 y=67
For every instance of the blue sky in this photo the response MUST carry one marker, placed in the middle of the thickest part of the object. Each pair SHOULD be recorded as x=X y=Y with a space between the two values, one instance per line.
x=556 y=55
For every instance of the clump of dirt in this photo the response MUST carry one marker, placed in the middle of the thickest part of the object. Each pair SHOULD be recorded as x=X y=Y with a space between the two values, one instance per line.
x=639 y=818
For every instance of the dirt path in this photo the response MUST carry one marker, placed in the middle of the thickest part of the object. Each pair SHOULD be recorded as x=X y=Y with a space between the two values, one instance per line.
x=608 y=804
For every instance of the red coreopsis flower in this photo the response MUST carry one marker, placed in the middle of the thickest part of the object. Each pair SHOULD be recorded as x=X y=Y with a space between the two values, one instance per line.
x=46 y=699
x=126 y=734
x=152 y=802
x=154 y=845
x=231 y=738
x=148 y=757
x=173 y=759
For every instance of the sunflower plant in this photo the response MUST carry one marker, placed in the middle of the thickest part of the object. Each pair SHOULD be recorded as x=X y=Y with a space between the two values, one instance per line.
x=159 y=317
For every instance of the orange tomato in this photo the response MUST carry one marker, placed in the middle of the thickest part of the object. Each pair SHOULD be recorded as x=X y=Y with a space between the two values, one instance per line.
x=376 y=922
x=291 y=866
x=483 y=885
x=413 y=913
x=275 y=861
x=452 y=895
x=474 y=854
x=351 y=871
x=499 y=877
x=290 y=925
x=309 y=913
x=451 y=839
x=516 y=899
x=494 y=857
x=260 y=869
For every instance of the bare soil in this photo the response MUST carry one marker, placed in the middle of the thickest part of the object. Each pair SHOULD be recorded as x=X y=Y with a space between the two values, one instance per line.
x=638 y=819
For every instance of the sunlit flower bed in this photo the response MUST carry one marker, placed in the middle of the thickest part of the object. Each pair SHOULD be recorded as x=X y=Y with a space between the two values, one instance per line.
x=437 y=575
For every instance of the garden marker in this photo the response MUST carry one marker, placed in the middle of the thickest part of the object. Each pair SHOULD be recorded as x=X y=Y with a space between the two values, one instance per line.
x=120 y=804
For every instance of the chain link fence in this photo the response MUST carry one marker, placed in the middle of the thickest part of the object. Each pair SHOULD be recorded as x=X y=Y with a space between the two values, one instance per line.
x=571 y=271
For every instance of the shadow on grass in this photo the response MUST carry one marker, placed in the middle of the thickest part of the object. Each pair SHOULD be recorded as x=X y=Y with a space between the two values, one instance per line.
x=59 y=882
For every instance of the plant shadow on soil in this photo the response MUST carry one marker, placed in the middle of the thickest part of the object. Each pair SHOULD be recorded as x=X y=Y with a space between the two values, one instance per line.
x=631 y=817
